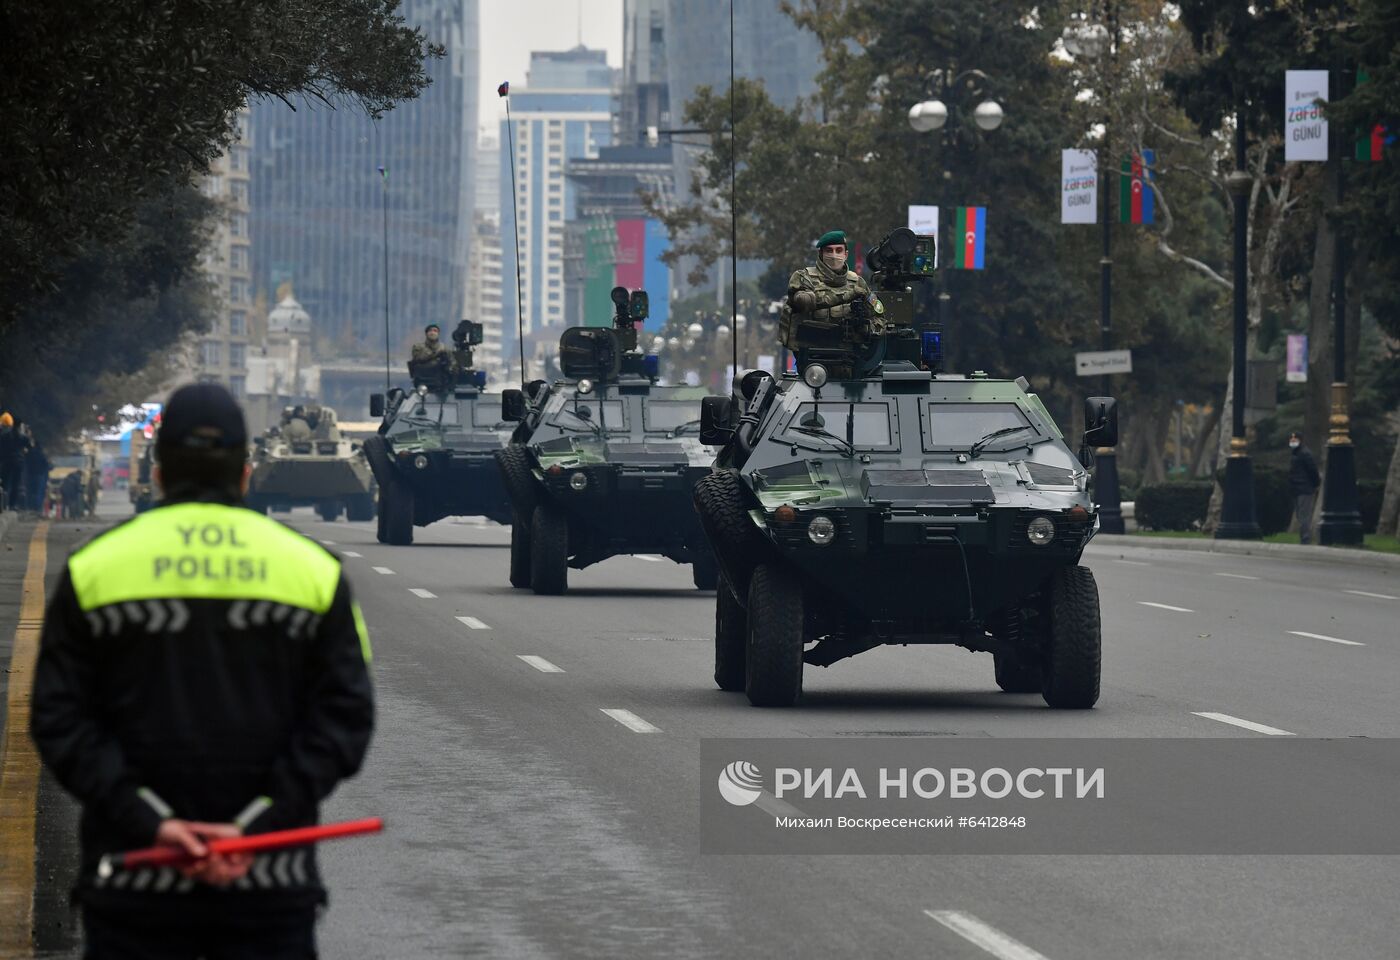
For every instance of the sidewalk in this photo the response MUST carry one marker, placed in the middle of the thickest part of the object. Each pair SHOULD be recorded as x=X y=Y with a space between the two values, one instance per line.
x=1345 y=556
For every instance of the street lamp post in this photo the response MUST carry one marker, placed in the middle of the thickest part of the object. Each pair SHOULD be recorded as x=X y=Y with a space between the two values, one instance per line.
x=1237 y=518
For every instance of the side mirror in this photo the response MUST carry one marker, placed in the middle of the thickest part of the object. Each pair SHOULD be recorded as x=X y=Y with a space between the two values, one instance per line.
x=1101 y=421
x=376 y=404
x=714 y=420
x=512 y=405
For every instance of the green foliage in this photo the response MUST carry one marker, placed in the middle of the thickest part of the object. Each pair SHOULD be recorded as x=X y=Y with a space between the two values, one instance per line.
x=104 y=101
x=1370 y=493
x=1172 y=506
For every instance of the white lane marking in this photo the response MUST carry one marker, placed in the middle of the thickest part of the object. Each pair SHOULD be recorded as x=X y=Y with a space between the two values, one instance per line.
x=1247 y=724
x=540 y=663
x=984 y=935
x=1319 y=636
x=384 y=570
x=1377 y=596
x=1237 y=576
x=1165 y=606
x=630 y=720
x=1134 y=563
x=329 y=543
x=352 y=553
x=653 y=558
x=420 y=592
x=474 y=623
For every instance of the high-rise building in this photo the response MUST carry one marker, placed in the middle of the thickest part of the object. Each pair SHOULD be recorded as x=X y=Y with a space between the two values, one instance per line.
x=484 y=295
x=320 y=206
x=488 y=175
x=564 y=111
x=221 y=354
x=644 y=99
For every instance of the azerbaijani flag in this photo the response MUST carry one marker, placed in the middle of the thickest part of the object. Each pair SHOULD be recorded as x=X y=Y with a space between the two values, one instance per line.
x=1136 y=201
x=1372 y=148
x=970 y=238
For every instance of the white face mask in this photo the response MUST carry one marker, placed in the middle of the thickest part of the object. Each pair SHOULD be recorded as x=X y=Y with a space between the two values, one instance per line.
x=834 y=260
x=1293 y=444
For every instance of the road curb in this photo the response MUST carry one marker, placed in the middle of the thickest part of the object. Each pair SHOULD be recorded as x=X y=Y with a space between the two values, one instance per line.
x=1291 y=551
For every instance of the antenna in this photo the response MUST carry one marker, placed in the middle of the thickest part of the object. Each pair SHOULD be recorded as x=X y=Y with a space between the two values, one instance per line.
x=384 y=206
x=733 y=210
x=503 y=91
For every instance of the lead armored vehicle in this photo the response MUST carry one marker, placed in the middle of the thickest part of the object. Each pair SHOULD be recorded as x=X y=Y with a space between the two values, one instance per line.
x=605 y=460
x=433 y=455
x=305 y=461
x=899 y=505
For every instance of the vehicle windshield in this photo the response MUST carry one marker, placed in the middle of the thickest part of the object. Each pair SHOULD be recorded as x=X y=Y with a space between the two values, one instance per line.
x=869 y=423
x=431 y=409
x=566 y=414
x=669 y=415
x=957 y=426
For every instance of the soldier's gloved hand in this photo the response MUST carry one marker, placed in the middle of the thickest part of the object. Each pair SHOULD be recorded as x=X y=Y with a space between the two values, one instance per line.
x=802 y=301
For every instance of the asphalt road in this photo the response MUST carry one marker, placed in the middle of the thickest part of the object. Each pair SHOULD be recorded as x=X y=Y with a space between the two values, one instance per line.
x=525 y=821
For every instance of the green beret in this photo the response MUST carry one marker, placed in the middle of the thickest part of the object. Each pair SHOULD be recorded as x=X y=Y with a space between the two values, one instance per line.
x=830 y=237
x=432 y=326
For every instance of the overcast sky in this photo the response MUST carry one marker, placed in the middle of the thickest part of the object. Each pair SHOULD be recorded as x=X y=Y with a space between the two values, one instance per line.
x=510 y=29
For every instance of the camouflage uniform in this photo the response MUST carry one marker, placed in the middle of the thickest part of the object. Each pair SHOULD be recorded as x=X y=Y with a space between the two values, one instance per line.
x=828 y=309
x=430 y=363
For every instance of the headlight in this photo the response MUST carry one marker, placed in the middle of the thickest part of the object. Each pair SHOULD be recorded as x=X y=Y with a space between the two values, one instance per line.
x=421 y=462
x=820 y=530
x=585 y=386
x=578 y=481
x=814 y=375
x=1040 y=531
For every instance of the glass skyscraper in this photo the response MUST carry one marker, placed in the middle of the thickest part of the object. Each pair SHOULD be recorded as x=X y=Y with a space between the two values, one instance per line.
x=317 y=220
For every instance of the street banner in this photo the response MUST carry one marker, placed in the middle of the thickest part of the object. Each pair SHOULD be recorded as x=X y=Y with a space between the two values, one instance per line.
x=970 y=238
x=1296 y=370
x=1096 y=363
x=1304 y=125
x=1136 y=201
x=923 y=220
x=1079 y=186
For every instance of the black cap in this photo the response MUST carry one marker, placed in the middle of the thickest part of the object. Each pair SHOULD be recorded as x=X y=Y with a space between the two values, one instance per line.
x=202 y=416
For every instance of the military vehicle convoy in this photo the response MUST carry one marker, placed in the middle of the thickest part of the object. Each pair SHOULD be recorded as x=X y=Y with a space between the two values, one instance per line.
x=434 y=453
x=899 y=505
x=304 y=461
x=604 y=460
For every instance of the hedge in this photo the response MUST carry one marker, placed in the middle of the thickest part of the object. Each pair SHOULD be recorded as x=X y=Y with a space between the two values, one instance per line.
x=1173 y=506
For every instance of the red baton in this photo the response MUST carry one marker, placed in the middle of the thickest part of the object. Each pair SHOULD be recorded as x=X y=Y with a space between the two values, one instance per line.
x=258 y=842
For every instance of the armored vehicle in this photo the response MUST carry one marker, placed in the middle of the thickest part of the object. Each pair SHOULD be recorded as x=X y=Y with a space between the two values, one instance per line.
x=605 y=461
x=434 y=452
x=140 y=486
x=899 y=505
x=304 y=461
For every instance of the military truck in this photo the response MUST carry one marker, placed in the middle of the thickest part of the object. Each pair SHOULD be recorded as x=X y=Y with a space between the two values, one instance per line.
x=433 y=455
x=304 y=461
x=606 y=462
x=900 y=505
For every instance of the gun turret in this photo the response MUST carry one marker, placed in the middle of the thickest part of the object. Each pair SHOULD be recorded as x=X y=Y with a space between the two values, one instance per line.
x=630 y=309
x=896 y=263
x=465 y=336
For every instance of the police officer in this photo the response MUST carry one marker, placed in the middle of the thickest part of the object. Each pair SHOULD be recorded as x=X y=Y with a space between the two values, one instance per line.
x=828 y=306
x=203 y=673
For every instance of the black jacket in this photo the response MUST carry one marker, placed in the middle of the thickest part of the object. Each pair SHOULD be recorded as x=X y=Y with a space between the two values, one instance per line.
x=1303 y=477
x=193 y=660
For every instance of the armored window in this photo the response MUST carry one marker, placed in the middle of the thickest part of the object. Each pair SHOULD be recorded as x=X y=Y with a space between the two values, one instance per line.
x=667 y=415
x=445 y=413
x=957 y=426
x=868 y=425
x=588 y=414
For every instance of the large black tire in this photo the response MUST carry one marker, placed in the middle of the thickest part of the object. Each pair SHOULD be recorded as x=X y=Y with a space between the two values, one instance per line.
x=520 y=534
x=396 y=513
x=731 y=638
x=549 y=551
x=328 y=511
x=360 y=508
x=1070 y=677
x=773 y=661
x=704 y=571
x=519 y=479
x=381 y=532
x=722 y=503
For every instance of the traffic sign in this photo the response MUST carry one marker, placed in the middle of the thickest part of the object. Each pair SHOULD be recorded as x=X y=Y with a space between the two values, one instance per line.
x=1099 y=362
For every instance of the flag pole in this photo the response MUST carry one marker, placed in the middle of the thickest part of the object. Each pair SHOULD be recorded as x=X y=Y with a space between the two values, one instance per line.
x=503 y=91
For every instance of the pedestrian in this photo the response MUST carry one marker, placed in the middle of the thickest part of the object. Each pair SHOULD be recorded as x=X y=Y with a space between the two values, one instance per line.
x=14 y=445
x=36 y=472
x=70 y=494
x=1304 y=480
x=203 y=673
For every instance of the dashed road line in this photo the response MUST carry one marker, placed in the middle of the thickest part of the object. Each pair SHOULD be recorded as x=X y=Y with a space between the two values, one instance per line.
x=984 y=935
x=1321 y=636
x=384 y=570
x=1246 y=724
x=1165 y=606
x=352 y=553
x=329 y=543
x=473 y=622
x=630 y=720
x=540 y=663
x=1237 y=576
x=1134 y=563
x=650 y=557
x=420 y=592
x=1374 y=596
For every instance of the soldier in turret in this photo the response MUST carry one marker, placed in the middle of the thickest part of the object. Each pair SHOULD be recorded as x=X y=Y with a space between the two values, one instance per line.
x=430 y=362
x=829 y=306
